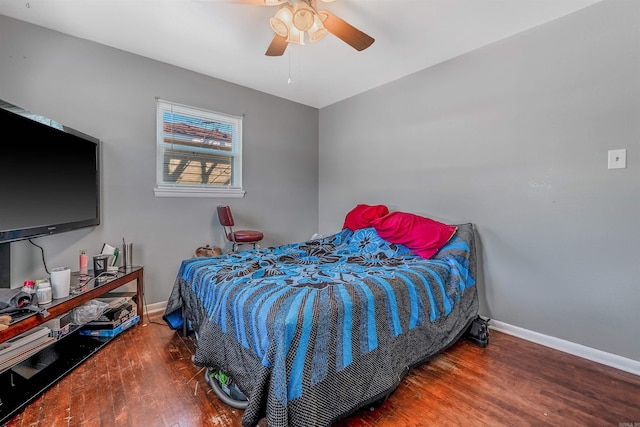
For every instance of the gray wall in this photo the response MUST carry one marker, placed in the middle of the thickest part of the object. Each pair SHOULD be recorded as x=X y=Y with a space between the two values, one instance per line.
x=110 y=94
x=514 y=138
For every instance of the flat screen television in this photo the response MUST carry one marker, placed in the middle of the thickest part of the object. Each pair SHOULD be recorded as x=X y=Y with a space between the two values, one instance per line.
x=49 y=179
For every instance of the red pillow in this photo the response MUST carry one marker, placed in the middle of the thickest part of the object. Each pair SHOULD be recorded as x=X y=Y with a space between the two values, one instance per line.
x=363 y=215
x=424 y=236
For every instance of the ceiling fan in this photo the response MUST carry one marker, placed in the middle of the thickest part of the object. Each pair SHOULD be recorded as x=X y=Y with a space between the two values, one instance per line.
x=297 y=17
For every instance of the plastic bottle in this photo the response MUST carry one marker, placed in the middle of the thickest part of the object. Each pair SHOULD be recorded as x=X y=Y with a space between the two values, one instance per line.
x=29 y=287
x=84 y=262
x=43 y=291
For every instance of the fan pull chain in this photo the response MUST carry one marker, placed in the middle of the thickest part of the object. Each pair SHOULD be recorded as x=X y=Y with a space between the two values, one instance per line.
x=289 y=55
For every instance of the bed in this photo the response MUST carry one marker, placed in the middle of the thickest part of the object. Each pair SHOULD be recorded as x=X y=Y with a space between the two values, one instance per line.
x=313 y=331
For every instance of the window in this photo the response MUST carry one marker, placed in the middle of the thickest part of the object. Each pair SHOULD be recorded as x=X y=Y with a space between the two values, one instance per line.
x=199 y=152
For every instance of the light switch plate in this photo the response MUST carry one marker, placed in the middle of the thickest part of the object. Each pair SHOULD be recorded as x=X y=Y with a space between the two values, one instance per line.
x=617 y=159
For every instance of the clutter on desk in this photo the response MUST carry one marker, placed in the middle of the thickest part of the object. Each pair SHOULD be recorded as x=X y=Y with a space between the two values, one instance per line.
x=90 y=310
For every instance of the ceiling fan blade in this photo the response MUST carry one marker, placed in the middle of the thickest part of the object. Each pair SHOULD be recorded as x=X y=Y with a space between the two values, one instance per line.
x=346 y=32
x=277 y=46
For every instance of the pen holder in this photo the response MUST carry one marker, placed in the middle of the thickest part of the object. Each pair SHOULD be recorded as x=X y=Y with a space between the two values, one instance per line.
x=100 y=264
x=127 y=255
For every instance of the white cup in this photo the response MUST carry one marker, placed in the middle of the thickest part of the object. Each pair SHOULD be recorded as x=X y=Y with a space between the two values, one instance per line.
x=60 y=282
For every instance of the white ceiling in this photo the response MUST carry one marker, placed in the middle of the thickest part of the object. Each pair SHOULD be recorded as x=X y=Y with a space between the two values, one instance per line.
x=227 y=39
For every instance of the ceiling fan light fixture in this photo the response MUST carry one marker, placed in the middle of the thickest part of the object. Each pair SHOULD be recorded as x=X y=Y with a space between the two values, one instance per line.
x=281 y=22
x=303 y=16
x=275 y=2
x=317 y=30
x=295 y=35
x=323 y=15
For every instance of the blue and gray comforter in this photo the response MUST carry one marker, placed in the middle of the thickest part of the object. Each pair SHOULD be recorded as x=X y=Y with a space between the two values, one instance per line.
x=313 y=331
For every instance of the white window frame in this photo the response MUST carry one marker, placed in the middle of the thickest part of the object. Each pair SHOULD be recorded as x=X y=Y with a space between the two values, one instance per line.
x=170 y=189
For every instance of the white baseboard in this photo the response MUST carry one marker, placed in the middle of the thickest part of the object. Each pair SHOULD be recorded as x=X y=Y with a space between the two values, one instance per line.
x=156 y=307
x=608 y=359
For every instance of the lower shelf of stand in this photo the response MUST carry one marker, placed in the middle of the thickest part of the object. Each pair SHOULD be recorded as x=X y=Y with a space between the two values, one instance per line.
x=23 y=383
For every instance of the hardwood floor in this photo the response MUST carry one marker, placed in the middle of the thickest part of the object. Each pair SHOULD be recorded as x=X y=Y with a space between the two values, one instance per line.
x=145 y=378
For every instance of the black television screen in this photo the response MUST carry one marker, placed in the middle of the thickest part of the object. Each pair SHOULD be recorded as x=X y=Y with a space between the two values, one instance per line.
x=49 y=176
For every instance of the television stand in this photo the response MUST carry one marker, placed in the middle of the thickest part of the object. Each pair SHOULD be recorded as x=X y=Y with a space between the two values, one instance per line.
x=55 y=361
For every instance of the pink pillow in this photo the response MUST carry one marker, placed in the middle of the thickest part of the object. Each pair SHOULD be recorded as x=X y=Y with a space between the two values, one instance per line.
x=424 y=236
x=363 y=215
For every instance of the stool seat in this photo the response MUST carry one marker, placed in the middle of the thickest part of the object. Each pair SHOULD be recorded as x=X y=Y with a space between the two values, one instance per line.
x=245 y=236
